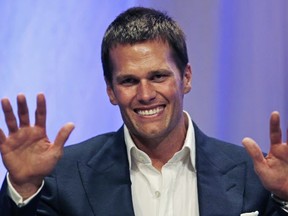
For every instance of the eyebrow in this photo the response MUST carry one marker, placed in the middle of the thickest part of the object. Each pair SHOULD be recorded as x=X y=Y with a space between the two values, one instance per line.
x=125 y=76
x=150 y=73
x=161 y=71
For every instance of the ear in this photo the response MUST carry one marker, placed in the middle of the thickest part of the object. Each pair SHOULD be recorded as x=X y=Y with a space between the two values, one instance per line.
x=187 y=79
x=110 y=93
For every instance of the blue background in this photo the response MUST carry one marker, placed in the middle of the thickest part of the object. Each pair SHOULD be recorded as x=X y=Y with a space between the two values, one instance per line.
x=238 y=51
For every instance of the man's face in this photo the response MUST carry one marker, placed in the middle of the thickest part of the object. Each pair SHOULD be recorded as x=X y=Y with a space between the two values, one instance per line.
x=148 y=88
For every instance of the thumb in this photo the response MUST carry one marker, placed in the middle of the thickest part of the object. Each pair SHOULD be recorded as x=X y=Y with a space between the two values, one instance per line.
x=63 y=135
x=253 y=150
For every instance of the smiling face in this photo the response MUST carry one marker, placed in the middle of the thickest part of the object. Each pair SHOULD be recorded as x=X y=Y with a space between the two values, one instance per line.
x=148 y=88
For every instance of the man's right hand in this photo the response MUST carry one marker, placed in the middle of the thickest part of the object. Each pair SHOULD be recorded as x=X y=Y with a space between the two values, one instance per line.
x=26 y=151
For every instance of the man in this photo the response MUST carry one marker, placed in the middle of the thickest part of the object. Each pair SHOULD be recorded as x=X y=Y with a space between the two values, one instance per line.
x=158 y=163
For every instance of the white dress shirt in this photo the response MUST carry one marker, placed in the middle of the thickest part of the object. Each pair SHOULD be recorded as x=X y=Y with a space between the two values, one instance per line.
x=171 y=192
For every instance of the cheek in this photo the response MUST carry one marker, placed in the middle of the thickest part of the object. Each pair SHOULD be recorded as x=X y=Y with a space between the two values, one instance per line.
x=172 y=90
x=124 y=97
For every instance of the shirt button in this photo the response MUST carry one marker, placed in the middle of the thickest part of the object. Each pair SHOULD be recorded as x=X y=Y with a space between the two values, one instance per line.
x=20 y=205
x=157 y=194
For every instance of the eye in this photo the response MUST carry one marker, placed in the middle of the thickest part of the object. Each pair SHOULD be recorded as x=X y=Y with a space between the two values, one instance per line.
x=128 y=81
x=159 y=77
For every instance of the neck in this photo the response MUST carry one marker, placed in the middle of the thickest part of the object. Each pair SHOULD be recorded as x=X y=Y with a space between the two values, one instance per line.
x=162 y=149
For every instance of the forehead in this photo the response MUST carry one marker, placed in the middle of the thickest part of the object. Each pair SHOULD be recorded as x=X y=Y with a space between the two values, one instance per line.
x=143 y=55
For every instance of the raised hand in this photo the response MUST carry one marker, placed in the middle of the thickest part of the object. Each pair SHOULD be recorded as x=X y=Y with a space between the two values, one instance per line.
x=272 y=169
x=26 y=151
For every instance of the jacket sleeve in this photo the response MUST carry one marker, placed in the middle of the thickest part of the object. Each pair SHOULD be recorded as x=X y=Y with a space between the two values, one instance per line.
x=9 y=208
x=44 y=204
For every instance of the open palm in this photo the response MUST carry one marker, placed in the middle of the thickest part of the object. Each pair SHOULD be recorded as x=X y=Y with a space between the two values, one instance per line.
x=272 y=169
x=26 y=151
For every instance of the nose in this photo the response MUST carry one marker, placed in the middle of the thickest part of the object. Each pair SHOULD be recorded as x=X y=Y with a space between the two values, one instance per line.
x=145 y=92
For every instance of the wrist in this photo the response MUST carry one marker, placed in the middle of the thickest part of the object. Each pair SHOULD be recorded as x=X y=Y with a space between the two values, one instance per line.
x=25 y=189
x=282 y=203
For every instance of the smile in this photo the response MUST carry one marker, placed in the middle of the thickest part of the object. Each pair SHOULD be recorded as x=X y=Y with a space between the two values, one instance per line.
x=150 y=112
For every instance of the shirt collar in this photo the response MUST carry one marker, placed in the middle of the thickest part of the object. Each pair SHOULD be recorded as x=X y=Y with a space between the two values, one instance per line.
x=189 y=142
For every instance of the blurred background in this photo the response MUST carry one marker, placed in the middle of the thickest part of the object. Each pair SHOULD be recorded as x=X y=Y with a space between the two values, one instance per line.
x=238 y=51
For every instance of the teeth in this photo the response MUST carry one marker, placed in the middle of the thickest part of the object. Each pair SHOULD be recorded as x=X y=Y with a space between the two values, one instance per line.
x=150 y=112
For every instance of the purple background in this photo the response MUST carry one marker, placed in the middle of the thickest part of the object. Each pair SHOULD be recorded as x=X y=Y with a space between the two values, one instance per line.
x=238 y=51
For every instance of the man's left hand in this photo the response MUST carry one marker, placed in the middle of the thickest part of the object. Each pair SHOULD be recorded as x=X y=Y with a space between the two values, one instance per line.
x=272 y=169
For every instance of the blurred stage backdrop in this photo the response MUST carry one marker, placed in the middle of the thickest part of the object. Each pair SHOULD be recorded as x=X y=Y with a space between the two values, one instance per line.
x=238 y=51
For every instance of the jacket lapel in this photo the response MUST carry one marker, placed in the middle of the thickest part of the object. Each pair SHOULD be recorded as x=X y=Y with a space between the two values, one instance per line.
x=106 y=178
x=220 y=178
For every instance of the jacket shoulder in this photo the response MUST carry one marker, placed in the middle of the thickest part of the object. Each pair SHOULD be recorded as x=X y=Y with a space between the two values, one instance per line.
x=85 y=150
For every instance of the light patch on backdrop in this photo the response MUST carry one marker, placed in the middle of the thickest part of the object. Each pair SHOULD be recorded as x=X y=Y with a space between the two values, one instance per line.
x=54 y=48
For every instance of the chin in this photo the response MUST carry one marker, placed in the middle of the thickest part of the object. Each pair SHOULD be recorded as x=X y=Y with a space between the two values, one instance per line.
x=151 y=134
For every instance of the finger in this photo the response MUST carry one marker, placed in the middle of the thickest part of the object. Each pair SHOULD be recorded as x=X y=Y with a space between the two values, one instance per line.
x=23 y=113
x=287 y=135
x=63 y=135
x=2 y=137
x=253 y=150
x=40 y=114
x=10 y=119
x=275 y=129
